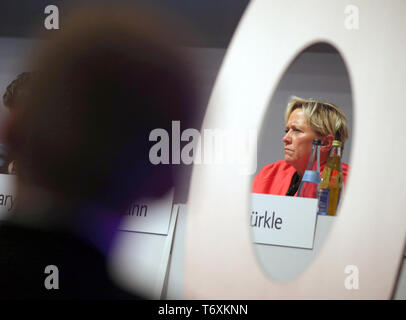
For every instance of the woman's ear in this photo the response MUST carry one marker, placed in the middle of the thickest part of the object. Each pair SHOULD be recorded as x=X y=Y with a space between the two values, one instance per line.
x=326 y=143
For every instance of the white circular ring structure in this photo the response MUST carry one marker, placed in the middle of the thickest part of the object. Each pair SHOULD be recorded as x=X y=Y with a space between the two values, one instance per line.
x=369 y=233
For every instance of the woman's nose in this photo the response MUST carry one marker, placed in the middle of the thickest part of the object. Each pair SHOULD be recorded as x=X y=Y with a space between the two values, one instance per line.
x=286 y=137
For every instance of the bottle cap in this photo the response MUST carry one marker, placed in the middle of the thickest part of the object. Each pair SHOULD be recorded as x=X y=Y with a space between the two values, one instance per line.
x=317 y=142
x=336 y=143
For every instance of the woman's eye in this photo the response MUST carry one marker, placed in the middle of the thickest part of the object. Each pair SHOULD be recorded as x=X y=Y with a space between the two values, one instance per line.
x=294 y=129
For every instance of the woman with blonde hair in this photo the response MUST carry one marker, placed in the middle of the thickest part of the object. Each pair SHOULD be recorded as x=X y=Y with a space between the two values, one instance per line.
x=306 y=119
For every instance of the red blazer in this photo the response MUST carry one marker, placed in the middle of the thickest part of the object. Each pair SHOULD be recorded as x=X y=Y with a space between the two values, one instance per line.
x=275 y=178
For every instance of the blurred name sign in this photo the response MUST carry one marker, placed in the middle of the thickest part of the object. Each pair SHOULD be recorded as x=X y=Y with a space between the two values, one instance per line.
x=149 y=216
x=283 y=221
x=7 y=194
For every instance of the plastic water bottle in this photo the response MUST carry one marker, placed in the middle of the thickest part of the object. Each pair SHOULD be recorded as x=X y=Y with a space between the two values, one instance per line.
x=309 y=186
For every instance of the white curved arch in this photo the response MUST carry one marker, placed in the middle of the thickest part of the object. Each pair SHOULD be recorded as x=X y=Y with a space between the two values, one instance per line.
x=370 y=230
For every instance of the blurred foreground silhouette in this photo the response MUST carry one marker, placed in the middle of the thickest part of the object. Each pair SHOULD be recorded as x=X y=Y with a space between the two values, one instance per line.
x=81 y=140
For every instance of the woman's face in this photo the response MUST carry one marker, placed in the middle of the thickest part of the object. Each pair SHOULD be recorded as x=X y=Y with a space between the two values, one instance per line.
x=298 y=141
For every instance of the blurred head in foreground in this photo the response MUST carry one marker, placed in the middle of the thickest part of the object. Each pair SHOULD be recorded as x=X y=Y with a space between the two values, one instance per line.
x=16 y=90
x=102 y=84
x=15 y=93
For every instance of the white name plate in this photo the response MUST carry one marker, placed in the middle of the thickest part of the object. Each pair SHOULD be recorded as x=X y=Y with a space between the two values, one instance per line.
x=150 y=216
x=283 y=221
x=7 y=194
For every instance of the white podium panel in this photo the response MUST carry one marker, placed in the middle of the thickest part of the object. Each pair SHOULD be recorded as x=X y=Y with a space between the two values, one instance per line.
x=139 y=261
x=149 y=216
x=176 y=269
x=8 y=197
x=283 y=221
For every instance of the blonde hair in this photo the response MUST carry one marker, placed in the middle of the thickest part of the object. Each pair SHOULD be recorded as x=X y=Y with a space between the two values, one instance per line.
x=323 y=117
